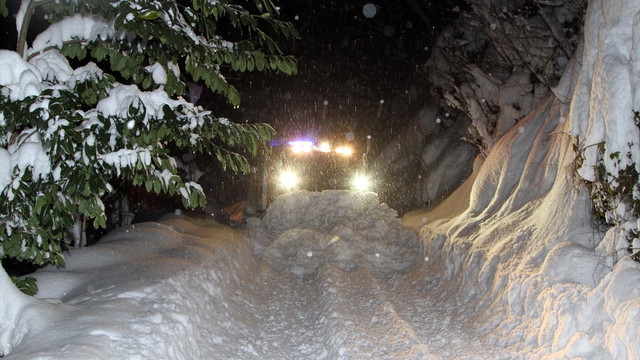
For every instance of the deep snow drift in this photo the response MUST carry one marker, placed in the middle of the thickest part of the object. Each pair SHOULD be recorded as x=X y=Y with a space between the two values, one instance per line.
x=524 y=259
x=305 y=230
x=336 y=276
x=341 y=278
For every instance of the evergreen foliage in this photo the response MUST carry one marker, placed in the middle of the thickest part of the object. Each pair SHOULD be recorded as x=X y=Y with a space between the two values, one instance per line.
x=615 y=194
x=105 y=100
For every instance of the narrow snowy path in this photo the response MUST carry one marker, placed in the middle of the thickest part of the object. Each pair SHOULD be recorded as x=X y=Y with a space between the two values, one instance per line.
x=348 y=287
x=339 y=315
x=344 y=315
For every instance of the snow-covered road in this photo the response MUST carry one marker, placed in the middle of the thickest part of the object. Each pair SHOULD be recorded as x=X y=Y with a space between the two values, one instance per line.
x=349 y=315
x=188 y=288
x=330 y=275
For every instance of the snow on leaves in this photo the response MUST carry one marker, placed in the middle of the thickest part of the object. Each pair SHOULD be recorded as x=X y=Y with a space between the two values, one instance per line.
x=24 y=79
x=67 y=132
x=75 y=28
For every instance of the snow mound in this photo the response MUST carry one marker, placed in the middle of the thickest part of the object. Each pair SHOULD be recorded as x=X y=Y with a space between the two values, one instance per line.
x=524 y=259
x=303 y=230
x=23 y=80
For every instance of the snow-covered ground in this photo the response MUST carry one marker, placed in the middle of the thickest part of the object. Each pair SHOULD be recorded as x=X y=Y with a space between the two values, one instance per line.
x=322 y=276
x=337 y=285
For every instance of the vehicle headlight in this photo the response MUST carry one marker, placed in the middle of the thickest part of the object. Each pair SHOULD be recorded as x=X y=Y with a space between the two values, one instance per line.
x=344 y=150
x=361 y=182
x=288 y=180
x=301 y=146
x=325 y=147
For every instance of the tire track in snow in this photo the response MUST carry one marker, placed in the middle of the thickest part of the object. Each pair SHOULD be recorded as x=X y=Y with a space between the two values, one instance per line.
x=338 y=314
x=346 y=247
x=437 y=317
x=359 y=321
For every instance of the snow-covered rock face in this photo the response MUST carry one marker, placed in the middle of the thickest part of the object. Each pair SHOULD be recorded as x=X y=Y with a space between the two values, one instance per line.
x=488 y=70
x=303 y=231
x=526 y=244
x=501 y=59
x=425 y=162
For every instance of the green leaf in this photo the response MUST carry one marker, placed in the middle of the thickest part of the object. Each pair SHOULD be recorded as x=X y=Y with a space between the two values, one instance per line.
x=27 y=285
x=3 y=8
x=40 y=203
x=193 y=198
x=99 y=52
x=251 y=64
x=185 y=202
x=87 y=190
x=150 y=15
x=118 y=61
x=157 y=187
x=234 y=96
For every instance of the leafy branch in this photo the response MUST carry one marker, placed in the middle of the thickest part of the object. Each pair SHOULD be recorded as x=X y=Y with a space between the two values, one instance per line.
x=116 y=112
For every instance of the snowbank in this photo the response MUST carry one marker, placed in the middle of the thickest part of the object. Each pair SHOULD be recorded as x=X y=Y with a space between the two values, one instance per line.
x=340 y=280
x=524 y=257
x=12 y=307
x=149 y=291
x=304 y=230
x=534 y=271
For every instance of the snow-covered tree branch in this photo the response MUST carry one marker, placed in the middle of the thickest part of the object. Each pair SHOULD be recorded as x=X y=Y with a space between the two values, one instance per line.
x=98 y=95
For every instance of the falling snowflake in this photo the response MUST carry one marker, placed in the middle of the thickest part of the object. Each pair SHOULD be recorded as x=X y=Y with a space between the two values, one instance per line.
x=369 y=10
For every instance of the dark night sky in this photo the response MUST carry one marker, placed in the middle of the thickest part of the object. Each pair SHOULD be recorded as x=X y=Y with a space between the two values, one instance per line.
x=8 y=33
x=351 y=61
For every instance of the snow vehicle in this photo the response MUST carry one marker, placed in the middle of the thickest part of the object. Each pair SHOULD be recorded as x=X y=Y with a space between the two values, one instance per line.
x=306 y=164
